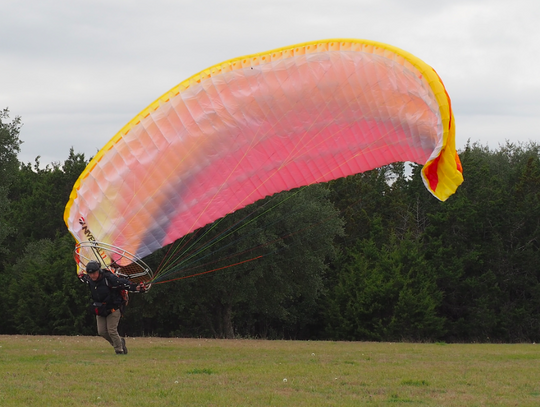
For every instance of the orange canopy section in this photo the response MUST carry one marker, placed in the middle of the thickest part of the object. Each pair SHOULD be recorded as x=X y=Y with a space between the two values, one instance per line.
x=253 y=126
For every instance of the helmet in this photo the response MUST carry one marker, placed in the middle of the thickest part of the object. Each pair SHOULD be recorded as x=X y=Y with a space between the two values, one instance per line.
x=92 y=266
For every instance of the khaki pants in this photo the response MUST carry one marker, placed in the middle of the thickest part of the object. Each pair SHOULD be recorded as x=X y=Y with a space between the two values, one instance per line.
x=107 y=328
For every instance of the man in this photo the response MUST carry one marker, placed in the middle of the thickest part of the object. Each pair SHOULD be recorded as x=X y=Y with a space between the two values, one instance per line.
x=106 y=291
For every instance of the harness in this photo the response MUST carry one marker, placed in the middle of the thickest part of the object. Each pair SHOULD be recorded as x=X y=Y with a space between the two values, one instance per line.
x=108 y=304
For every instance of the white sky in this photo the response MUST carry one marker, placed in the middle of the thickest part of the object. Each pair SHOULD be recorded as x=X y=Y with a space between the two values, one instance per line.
x=77 y=71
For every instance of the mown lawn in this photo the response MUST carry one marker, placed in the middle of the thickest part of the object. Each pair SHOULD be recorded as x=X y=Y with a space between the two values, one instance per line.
x=84 y=371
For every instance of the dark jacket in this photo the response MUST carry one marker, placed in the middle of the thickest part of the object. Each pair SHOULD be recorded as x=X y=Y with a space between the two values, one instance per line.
x=107 y=289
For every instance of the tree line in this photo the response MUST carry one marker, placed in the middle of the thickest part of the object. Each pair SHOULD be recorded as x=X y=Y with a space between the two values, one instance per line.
x=368 y=257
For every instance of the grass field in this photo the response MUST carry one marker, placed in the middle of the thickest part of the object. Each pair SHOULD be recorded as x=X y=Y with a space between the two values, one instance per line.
x=84 y=371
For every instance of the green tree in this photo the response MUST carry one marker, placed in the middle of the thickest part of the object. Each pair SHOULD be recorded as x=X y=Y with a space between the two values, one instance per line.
x=41 y=242
x=38 y=198
x=44 y=295
x=272 y=296
x=483 y=242
x=9 y=148
x=385 y=293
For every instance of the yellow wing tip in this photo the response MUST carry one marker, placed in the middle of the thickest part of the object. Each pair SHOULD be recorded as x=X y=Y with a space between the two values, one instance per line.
x=444 y=174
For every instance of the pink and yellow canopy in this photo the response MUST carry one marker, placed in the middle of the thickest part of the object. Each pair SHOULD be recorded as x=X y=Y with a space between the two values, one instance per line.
x=253 y=126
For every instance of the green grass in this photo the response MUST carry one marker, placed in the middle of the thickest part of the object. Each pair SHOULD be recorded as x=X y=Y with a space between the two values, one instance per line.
x=84 y=371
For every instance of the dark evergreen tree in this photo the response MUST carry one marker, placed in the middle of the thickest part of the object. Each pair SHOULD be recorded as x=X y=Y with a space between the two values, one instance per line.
x=43 y=293
x=385 y=293
x=482 y=243
x=39 y=196
x=9 y=148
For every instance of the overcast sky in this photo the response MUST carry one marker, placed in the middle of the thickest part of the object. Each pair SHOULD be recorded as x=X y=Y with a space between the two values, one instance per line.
x=77 y=71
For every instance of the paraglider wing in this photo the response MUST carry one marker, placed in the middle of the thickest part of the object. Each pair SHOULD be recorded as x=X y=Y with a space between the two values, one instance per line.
x=253 y=126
